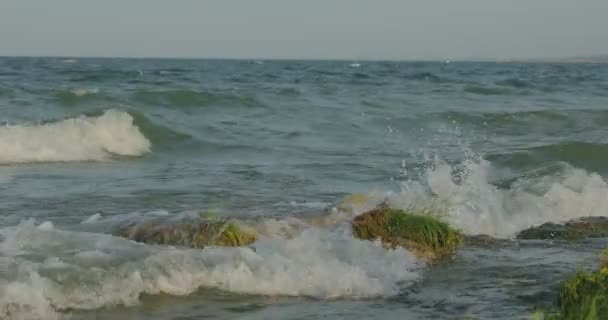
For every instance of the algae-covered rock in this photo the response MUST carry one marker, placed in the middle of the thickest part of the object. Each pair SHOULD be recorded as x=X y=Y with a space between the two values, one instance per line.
x=589 y=227
x=194 y=234
x=585 y=295
x=418 y=231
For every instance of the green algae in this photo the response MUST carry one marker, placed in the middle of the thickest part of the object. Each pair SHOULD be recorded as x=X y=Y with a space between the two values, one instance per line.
x=584 y=296
x=193 y=234
x=419 y=231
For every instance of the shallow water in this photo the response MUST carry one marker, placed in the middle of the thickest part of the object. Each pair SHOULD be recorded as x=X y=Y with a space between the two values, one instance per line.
x=91 y=144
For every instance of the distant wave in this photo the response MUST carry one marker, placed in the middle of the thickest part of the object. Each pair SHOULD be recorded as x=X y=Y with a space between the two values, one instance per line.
x=75 y=96
x=99 y=75
x=487 y=90
x=425 y=76
x=517 y=118
x=77 y=139
x=193 y=98
x=514 y=83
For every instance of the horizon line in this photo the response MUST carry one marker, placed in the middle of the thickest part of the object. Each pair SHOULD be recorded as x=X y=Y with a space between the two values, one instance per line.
x=346 y=59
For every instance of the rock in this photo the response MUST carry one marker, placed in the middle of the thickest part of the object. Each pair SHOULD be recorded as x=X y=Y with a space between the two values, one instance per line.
x=193 y=234
x=584 y=296
x=482 y=240
x=589 y=227
x=416 y=230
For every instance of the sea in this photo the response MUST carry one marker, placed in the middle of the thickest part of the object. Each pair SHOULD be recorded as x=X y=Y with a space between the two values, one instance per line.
x=90 y=144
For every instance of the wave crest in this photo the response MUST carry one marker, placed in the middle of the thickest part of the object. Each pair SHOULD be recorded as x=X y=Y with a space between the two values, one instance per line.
x=76 y=139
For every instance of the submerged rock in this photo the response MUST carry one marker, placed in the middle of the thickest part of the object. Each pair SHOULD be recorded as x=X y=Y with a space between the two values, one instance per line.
x=418 y=231
x=193 y=234
x=589 y=227
x=482 y=240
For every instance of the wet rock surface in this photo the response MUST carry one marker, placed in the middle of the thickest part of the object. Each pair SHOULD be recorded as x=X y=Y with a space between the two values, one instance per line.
x=193 y=234
x=589 y=227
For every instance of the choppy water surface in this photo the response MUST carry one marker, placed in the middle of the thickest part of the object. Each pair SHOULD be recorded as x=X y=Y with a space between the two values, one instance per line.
x=89 y=144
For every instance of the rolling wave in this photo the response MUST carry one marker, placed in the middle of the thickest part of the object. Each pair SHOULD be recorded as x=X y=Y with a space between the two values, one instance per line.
x=77 y=139
x=52 y=264
x=159 y=135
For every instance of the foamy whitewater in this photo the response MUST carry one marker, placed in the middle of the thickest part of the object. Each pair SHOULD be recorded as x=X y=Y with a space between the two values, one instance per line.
x=77 y=139
x=293 y=150
x=50 y=265
x=478 y=207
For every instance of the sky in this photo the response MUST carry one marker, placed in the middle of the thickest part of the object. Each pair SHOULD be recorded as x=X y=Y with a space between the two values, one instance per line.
x=305 y=29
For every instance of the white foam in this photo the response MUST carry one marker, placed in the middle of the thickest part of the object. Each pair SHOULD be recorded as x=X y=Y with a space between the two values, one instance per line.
x=89 y=271
x=78 y=139
x=81 y=92
x=47 y=225
x=477 y=206
x=92 y=219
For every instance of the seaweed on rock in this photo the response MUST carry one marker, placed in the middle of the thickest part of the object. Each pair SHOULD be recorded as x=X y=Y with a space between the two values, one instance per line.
x=193 y=234
x=419 y=231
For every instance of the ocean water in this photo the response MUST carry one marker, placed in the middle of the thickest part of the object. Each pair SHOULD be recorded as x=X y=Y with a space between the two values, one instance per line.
x=88 y=145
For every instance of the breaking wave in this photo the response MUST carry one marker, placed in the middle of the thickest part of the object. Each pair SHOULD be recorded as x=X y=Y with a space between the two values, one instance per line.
x=469 y=199
x=77 y=139
x=52 y=270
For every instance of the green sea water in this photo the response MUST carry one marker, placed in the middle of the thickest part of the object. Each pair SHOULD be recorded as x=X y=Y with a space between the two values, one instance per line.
x=88 y=145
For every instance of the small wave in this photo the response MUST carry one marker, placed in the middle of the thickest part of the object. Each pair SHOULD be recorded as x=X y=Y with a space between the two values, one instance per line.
x=514 y=83
x=193 y=98
x=171 y=71
x=513 y=121
x=288 y=91
x=57 y=270
x=487 y=91
x=426 y=76
x=75 y=96
x=84 y=92
x=77 y=139
x=158 y=134
x=99 y=75
x=590 y=156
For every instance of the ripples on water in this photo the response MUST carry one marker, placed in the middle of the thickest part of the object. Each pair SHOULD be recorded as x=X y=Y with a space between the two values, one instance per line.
x=92 y=143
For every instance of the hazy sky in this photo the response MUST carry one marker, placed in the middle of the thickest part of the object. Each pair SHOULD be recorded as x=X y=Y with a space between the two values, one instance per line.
x=351 y=29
